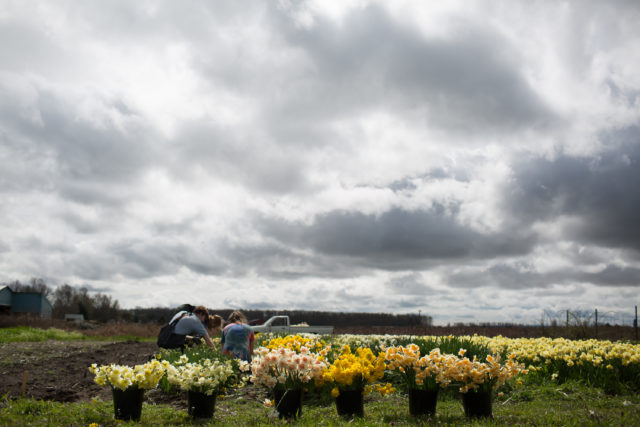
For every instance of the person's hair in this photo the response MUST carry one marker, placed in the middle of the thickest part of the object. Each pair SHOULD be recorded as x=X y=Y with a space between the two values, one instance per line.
x=215 y=323
x=201 y=309
x=237 y=317
x=187 y=307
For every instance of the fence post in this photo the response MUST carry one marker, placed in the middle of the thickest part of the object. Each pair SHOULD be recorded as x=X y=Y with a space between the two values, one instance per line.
x=567 y=318
x=635 y=323
x=596 y=323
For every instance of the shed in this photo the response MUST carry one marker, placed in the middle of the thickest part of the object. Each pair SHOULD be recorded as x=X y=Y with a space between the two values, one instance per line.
x=24 y=302
x=5 y=299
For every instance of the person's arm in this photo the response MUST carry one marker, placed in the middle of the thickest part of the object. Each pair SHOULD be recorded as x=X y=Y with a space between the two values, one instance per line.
x=208 y=340
x=252 y=338
x=222 y=337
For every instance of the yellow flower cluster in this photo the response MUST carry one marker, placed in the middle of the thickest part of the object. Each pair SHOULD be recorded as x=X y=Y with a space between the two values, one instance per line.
x=536 y=351
x=354 y=371
x=376 y=342
x=122 y=377
x=473 y=374
x=382 y=389
x=295 y=343
x=205 y=377
x=426 y=371
x=585 y=353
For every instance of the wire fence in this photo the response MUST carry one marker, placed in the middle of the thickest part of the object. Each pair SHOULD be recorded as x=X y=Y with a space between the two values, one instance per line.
x=584 y=323
x=593 y=317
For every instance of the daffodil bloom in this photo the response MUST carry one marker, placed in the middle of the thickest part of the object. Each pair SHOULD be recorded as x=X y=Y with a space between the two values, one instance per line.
x=208 y=377
x=144 y=376
x=286 y=367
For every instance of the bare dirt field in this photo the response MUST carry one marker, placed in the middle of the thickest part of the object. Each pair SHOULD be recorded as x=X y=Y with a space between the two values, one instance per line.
x=57 y=370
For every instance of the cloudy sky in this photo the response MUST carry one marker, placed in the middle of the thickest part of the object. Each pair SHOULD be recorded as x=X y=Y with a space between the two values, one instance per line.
x=474 y=161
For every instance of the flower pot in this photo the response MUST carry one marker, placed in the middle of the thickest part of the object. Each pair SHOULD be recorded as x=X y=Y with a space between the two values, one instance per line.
x=201 y=405
x=127 y=404
x=422 y=402
x=477 y=404
x=288 y=402
x=349 y=403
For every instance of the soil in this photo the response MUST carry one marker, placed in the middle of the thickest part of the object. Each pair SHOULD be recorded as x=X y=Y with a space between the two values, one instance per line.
x=57 y=370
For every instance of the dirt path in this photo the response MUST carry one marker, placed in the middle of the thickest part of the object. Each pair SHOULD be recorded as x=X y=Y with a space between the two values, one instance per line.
x=58 y=371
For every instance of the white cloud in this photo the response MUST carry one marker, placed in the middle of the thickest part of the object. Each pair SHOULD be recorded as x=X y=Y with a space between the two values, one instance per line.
x=472 y=161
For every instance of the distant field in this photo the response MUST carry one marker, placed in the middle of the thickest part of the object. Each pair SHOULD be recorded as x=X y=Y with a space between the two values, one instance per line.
x=87 y=329
x=150 y=330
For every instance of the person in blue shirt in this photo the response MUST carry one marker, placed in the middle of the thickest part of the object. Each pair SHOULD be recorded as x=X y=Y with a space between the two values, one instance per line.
x=237 y=337
x=194 y=326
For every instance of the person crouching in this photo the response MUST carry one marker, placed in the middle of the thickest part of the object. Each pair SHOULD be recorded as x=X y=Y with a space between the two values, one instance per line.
x=194 y=326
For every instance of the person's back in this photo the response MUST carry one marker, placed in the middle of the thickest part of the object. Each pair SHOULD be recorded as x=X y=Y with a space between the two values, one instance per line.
x=237 y=337
x=191 y=325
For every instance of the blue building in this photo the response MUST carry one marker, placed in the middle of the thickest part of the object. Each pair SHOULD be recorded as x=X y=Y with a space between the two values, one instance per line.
x=24 y=302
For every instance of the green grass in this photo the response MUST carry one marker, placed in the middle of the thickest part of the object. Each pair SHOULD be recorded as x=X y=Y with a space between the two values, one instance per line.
x=548 y=404
x=29 y=334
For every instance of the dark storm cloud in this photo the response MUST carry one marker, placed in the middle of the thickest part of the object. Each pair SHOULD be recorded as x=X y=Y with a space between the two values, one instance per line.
x=81 y=224
x=503 y=276
x=86 y=150
x=600 y=192
x=239 y=157
x=410 y=284
x=523 y=276
x=281 y=262
x=469 y=80
x=142 y=259
x=151 y=258
x=614 y=275
x=54 y=149
x=353 y=300
x=398 y=238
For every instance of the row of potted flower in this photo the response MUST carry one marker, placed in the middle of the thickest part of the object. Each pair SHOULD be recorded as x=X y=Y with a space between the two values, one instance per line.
x=290 y=367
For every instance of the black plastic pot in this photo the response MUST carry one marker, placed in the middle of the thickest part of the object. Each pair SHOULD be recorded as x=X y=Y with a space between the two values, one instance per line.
x=127 y=404
x=200 y=404
x=288 y=402
x=422 y=402
x=478 y=404
x=349 y=403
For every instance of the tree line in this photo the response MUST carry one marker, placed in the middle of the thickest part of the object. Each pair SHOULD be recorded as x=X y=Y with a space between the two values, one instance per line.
x=67 y=299
x=101 y=307
x=316 y=318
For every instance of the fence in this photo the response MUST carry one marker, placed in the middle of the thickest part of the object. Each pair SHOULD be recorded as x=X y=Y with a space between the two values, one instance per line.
x=589 y=322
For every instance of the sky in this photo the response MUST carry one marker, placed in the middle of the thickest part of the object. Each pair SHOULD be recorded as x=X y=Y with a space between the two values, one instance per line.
x=470 y=161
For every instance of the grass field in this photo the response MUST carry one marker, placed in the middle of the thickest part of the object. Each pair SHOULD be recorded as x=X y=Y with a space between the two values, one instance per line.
x=542 y=399
x=548 y=404
x=31 y=334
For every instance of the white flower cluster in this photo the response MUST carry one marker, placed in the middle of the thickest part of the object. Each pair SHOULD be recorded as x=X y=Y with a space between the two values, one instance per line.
x=375 y=342
x=285 y=367
x=206 y=377
x=122 y=377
